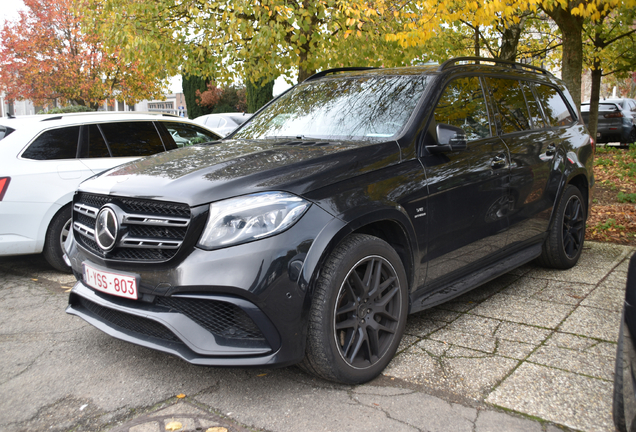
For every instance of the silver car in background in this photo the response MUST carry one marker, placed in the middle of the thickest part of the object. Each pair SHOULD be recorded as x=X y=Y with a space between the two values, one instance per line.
x=223 y=124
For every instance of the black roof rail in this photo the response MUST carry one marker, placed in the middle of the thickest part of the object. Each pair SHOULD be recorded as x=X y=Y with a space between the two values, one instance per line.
x=52 y=118
x=336 y=70
x=514 y=65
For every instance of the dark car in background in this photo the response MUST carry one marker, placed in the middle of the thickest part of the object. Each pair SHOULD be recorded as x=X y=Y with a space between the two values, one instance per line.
x=616 y=121
x=624 y=406
x=353 y=199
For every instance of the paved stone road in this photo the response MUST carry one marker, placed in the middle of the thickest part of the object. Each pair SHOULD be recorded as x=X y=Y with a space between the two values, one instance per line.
x=531 y=351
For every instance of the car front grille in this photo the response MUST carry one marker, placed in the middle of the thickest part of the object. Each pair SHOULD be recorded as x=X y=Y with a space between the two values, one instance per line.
x=227 y=322
x=217 y=317
x=130 y=323
x=149 y=231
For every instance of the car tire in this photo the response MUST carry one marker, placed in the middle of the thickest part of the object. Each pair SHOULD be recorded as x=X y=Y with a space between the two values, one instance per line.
x=56 y=234
x=562 y=249
x=358 y=312
x=618 y=401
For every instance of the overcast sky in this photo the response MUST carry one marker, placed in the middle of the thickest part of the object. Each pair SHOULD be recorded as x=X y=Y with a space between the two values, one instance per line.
x=9 y=9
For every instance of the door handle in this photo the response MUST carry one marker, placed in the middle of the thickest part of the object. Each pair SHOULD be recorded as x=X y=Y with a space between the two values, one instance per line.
x=498 y=162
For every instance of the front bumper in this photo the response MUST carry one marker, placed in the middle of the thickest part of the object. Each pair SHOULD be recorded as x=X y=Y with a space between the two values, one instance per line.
x=241 y=306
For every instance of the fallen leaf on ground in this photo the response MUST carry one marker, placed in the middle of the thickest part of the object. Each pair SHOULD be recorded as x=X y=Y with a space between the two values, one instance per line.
x=216 y=429
x=174 y=426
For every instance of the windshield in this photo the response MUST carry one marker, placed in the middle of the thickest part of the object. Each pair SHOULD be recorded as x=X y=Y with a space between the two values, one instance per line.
x=358 y=108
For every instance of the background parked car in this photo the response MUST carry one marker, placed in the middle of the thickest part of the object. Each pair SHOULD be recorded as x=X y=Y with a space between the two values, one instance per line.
x=223 y=123
x=616 y=121
x=44 y=158
x=624 y=407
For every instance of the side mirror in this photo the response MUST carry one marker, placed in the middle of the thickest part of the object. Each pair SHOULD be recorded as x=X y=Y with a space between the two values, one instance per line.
x=449 y=139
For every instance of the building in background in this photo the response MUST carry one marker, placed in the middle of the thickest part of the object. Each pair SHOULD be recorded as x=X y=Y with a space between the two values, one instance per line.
x=174 y=104
x=16 y=108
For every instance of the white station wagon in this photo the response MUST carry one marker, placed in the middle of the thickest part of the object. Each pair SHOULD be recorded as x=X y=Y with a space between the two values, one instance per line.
x=43 y=158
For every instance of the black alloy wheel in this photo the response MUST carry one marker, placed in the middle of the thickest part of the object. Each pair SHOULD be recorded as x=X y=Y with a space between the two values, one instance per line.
x=367 y=312
x=358 y=312
x=573 y=227
x=564 y=244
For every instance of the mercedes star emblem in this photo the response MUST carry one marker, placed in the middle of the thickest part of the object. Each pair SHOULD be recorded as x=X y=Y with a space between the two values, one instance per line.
x=106 y=229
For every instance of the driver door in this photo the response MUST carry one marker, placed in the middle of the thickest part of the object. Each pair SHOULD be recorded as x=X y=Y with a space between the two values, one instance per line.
x=468 y=200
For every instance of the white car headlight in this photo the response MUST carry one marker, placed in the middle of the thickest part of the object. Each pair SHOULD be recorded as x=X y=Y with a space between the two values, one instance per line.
x=250 y=217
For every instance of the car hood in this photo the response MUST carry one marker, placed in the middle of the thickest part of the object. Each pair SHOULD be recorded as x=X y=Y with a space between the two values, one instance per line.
x=205 y=173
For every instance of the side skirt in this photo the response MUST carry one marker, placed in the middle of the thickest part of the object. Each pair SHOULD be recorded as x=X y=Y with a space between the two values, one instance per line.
x=473 y=280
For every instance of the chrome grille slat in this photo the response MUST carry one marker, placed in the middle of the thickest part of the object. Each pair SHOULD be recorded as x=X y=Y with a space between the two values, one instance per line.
x=84 y=230
x=149 y=243
x=153 y=231
x=86 y=210
x=155 y=220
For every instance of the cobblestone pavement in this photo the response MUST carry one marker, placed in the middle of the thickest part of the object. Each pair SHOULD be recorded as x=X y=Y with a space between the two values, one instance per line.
x=530 y=351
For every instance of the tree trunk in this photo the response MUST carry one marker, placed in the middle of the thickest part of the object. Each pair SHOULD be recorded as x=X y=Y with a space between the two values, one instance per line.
x=477 y=47
x=594 y=98
x=510 y=40
x=304 y=73
x=304 y=69
x=571 y=27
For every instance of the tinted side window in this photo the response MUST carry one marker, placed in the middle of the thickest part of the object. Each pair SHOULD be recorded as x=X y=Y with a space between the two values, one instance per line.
x=96 y=145
x=511 y=104
x=186 y=134
x=132 y=138
x=463 y=105
x=54 y=144
x=554 y=107
x=535 y=109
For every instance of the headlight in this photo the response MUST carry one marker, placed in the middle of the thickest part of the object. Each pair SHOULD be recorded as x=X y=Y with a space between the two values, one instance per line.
x=250 y=217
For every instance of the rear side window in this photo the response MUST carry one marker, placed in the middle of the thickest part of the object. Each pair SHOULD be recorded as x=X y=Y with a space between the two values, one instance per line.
x=54 y=144
x=511 y=104
x=463 y=105
x=127 y=139
x=555 y=108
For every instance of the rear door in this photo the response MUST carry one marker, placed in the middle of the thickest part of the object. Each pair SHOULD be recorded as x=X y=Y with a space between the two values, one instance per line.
x=532 y=147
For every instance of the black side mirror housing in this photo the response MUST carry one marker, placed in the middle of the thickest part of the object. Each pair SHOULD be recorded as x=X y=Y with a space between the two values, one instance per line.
x=449 y=139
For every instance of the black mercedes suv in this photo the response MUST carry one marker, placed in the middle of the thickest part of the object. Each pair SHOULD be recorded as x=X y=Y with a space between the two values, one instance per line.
x=355 y=198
